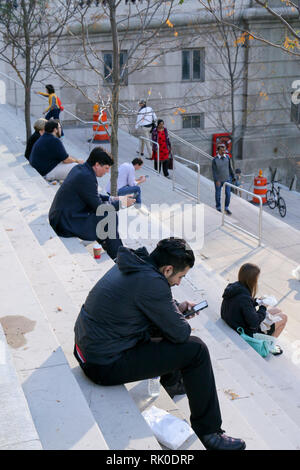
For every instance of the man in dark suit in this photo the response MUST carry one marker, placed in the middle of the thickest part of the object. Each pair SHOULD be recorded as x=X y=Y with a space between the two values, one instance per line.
x=78 y=210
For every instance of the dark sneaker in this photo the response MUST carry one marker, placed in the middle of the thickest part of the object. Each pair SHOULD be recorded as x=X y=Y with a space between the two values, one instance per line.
x=176 y=389
x=228 y=212
x=219 y=441
x=219 y=209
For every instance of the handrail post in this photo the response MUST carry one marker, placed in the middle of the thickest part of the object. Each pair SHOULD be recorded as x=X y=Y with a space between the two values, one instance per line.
x=198 y=183
x=260 y=222
x=259 y=237
x=197 y=196
x=157 y=153
x=223 y=205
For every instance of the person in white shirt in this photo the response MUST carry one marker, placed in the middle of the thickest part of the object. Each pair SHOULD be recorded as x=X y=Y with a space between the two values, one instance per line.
x=146 y=116
x=127 y=184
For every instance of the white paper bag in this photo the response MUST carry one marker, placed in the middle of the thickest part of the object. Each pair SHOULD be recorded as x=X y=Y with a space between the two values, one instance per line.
x=169 y=430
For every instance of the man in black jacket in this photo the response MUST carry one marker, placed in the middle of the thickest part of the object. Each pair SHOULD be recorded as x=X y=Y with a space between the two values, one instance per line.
x=131 y=329
x=78 y=210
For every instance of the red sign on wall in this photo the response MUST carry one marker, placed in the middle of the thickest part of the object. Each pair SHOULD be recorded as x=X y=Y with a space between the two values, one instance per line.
x=223 y=138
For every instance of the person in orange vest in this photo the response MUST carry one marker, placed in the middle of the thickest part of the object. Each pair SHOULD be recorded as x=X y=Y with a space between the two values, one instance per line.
x=55 y=106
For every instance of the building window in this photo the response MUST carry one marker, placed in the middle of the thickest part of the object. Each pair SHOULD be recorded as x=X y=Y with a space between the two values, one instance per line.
x=192 y=66
x=107 y=58
x=193 y=121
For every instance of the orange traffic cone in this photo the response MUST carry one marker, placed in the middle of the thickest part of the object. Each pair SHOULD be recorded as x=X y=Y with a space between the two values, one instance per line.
x=100 y=131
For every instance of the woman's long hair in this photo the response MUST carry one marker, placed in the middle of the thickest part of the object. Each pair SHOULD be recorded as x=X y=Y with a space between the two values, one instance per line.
x=50 y=89
x=248 y=276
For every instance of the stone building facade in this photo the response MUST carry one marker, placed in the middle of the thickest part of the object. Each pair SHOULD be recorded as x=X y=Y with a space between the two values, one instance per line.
x=189 y=87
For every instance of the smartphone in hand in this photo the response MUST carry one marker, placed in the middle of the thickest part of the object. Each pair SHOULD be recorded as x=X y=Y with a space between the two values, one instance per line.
x=200 y=306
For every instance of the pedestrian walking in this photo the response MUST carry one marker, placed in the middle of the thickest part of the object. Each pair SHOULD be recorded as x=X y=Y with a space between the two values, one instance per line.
x=145 y=122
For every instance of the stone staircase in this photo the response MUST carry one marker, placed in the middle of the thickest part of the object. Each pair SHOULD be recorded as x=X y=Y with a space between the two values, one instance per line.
x=50 y=278
x=61 y=272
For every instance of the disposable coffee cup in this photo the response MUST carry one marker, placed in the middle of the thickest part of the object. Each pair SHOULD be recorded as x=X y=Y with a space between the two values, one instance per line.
x=97 y=251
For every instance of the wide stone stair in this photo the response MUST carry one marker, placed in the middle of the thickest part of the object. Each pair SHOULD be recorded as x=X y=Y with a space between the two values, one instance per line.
x=45 y=280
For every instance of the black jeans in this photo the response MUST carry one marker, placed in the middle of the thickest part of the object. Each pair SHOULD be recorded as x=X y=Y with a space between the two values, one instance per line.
x=164 y=164
x=162 y=358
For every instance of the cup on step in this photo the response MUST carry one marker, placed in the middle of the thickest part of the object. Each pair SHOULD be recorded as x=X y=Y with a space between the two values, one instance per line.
x=97 y=251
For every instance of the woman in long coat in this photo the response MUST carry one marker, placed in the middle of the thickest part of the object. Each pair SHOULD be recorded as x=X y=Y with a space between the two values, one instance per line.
x=160 y=135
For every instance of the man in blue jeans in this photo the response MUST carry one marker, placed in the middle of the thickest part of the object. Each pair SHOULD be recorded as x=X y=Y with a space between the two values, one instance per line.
x=222 y=172
x=127 y=184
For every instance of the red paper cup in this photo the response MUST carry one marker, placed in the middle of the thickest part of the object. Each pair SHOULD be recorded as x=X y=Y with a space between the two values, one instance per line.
x=97 y=252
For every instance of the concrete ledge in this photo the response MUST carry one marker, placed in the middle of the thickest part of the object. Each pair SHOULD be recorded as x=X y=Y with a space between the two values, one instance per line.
x=17 y=430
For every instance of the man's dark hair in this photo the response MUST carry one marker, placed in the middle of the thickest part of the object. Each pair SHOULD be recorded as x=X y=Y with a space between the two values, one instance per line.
x=51 y=125
x=137 y=161
x=99 y=155
x=174 y=252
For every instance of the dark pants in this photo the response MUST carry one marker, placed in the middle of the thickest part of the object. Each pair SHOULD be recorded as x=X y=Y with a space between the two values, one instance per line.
x=111 y=244
x=218 y=195
x=54 y=114
x=190 y=360
x=164 y=164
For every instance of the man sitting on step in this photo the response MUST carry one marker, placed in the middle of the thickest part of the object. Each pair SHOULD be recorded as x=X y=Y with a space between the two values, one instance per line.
x=49 y=156
x=127 y=184
x=78 y=210
x=131 y=329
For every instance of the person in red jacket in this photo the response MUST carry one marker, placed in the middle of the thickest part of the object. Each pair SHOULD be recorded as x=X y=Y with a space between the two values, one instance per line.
x=160 y=135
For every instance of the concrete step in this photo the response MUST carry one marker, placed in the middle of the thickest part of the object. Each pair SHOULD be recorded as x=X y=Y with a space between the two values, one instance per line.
x=139 y=392
x=122 y=428
x=58 y=408
x=94 y=271
x=234 y=422
x=263 y=399
x=280 y=371
x=271 y=399
x=17 y=429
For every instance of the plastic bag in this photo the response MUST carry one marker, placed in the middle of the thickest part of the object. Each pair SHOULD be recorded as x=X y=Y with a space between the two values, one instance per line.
x=268 y=321
x=296 y=273
x=271 y=340
x=169 y=430
x=269 y=300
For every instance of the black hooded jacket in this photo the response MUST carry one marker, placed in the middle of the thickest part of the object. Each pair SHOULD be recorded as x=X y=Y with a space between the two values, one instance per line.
x=124 y=307
x=238 y=309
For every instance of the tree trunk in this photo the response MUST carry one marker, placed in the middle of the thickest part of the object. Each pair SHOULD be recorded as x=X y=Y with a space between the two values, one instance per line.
x=27 y=111
x=27 y=72
x=114 y=97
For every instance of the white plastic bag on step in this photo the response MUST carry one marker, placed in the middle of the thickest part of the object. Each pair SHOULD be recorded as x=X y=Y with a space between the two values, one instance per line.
x=169 y=430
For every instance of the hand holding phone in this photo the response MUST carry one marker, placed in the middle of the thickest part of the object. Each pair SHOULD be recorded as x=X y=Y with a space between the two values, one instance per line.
x=196 y=309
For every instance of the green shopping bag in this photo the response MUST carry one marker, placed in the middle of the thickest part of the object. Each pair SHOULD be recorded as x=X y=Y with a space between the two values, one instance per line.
x=261 y=346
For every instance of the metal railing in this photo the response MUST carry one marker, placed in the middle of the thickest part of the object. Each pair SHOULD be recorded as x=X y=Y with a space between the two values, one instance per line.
x=188 y=144
x=257 y=237
x=197 y=165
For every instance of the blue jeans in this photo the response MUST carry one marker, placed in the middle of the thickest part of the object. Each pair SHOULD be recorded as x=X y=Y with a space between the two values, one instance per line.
x=218 y=195
x=131 y=190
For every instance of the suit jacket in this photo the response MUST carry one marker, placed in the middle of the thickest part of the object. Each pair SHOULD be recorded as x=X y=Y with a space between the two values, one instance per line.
x=73 y=210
